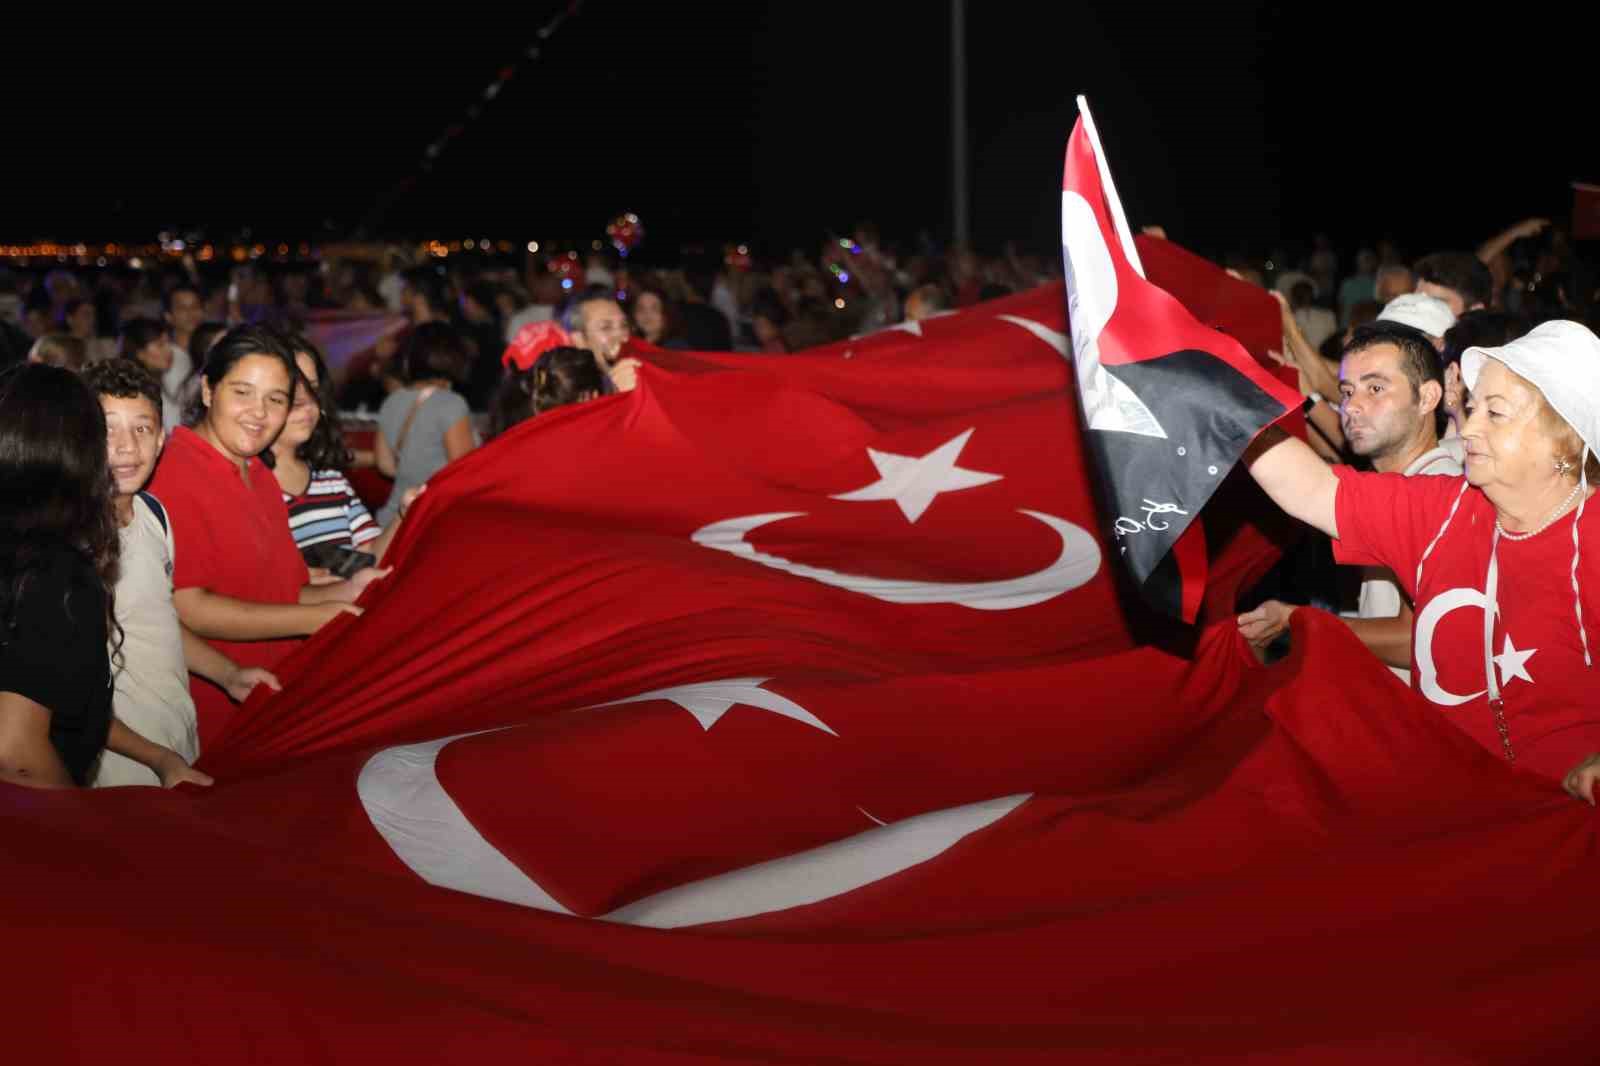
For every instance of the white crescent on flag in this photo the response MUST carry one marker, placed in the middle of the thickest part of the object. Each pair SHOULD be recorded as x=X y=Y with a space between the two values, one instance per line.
x=913 y=483
x=400 y=790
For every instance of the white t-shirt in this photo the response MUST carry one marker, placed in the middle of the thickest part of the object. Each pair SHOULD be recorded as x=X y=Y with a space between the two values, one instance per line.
x=1380 y=595
x=152 y=687
x=172 y=392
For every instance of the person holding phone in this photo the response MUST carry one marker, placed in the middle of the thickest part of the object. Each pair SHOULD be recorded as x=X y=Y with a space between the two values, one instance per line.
x=331 y=526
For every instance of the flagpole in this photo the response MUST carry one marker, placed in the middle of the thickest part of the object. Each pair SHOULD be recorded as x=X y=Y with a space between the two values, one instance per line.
x=961 y=221
x=1118 y=218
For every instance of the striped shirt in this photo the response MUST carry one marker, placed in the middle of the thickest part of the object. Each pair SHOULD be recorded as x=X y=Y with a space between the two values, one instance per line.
x=329 y=512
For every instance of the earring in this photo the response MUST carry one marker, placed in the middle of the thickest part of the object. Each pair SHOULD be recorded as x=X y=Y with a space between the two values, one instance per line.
x=1563 y=466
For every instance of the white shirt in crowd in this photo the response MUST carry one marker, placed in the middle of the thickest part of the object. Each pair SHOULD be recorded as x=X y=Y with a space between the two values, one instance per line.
x=1380 y=593
x=172 y=380
x=152 y=681
x=1317 y=323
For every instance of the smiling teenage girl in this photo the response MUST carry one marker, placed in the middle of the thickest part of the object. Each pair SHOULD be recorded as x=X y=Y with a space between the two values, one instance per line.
x=240 y=582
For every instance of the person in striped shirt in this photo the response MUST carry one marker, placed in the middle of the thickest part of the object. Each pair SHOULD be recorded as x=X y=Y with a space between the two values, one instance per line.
x=308 y=458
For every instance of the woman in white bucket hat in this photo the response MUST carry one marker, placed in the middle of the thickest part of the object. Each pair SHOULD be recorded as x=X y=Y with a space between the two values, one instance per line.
x=1502 y=565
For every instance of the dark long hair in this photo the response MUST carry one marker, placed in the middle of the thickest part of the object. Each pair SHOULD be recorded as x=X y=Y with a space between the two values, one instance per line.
x=560 y=376
x=55 y=484
x=325 y=448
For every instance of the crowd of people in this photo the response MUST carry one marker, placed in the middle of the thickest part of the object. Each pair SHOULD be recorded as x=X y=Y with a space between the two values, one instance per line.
x=178 y=513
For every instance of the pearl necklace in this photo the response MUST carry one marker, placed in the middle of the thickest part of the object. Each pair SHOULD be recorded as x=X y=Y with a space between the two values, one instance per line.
x=1549 y=519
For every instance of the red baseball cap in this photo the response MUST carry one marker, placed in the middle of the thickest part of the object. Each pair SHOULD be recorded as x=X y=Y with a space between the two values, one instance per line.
x=532 y=341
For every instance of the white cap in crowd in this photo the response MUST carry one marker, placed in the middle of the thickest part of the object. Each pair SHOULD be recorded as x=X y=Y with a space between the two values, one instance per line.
x=1420 y=311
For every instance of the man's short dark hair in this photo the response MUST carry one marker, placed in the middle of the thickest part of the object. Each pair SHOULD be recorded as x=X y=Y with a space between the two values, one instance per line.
x=123 y=379
x=1460 y=272
x=1481 y=329
x=182 y=286
x=1419 y=361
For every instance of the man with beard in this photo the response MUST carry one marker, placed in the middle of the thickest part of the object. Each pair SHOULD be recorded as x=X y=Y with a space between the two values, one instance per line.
x=1390 y=387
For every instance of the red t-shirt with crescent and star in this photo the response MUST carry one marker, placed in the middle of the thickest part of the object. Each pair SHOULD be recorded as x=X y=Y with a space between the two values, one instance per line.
x=1552 y=700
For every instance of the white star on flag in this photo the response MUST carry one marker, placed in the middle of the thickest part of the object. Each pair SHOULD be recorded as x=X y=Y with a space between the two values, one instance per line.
x=1513 y=663
x=912 y=482
x=708 y=701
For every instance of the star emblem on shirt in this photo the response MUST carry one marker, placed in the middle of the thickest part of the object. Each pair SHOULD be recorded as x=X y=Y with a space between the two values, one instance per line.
x=1513 y=663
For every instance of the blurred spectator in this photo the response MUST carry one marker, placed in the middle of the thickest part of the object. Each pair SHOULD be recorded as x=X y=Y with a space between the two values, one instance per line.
x=59 y=349
x=1316 y=323
x=1457 y=278
x=183 y=308
x=1394 y=279
x=652 y=316
x=480 y=326
x=768 y=318
x=560 y=376
x=926 y=301
x=705 y=327
x=426 y=424
x=544 y=290
x=1360 y=286
x=78 y=318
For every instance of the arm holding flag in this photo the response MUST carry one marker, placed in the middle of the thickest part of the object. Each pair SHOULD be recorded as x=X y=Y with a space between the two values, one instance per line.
x=1296 y=478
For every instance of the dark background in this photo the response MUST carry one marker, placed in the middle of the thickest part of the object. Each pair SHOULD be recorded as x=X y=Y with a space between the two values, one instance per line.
x=1236 y=126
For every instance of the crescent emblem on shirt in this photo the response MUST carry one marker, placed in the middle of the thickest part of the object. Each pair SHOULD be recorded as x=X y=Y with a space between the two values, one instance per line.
x=1427 y=621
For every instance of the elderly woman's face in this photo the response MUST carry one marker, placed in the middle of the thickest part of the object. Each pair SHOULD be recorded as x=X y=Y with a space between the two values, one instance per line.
x=1506 y=443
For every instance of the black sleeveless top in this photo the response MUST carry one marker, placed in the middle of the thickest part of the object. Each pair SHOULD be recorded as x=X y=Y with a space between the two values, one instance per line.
x=54 y=652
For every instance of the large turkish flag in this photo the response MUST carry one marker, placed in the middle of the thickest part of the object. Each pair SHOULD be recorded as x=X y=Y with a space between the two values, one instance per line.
x=791 y=710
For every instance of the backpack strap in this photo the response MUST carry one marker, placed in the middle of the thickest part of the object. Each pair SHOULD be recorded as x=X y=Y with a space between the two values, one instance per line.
x=156 y=509
x=160 y=512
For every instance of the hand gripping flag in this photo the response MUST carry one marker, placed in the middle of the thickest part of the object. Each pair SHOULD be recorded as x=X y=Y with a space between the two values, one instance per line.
x=1169 y=404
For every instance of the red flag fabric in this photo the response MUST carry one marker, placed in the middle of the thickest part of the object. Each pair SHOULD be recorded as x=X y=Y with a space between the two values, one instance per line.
x=772 y=713
x=1168 y=403
x=1585 y=211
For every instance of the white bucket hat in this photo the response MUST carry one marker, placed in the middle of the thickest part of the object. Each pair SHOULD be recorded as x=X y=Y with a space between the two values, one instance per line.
x=1420 y=311
x=1562 y=360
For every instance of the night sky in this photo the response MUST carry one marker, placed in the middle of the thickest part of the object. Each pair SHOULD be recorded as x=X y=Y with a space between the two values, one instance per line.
x=1235 y=126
